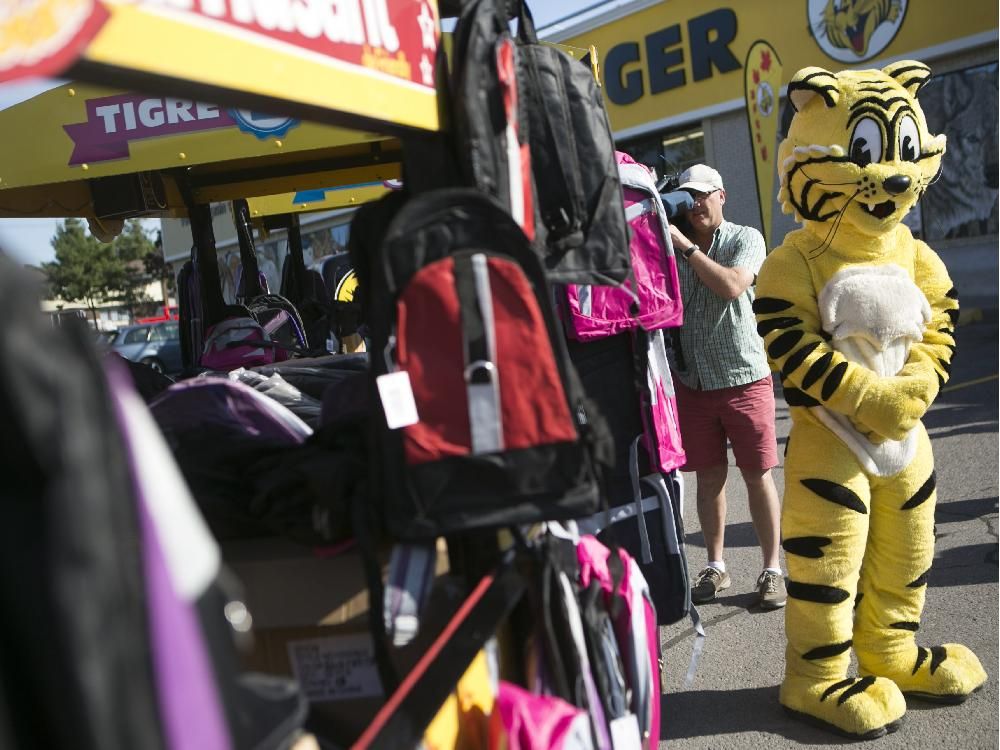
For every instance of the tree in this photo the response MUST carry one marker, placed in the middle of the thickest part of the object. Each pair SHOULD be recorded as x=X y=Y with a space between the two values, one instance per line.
x=93 y=272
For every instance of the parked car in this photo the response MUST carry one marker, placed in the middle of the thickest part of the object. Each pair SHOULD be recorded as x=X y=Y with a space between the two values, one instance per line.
x=157 y=345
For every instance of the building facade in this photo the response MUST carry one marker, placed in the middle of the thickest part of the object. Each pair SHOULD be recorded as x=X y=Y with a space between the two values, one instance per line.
x=673 y=80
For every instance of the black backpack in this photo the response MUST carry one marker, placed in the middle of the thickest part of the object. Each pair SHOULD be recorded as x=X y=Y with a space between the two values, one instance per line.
x=491 y=126
x=462 y=329
x=579 y=193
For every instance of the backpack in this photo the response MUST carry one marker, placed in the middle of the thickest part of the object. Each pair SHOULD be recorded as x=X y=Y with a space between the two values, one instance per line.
x=482 y=420
x=490 y=123
x=661 y=424
x=650 y=299
x=582 y=218
x=114 y=627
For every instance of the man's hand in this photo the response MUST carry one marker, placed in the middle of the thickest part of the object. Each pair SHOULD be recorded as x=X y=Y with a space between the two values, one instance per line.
x=680 y=240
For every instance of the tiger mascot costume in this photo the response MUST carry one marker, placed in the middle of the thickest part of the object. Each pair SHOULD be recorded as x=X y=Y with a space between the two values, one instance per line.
x=858 y=317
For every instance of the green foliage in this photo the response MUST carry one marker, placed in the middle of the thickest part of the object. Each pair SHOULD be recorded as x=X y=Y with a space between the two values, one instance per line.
x=93 y=272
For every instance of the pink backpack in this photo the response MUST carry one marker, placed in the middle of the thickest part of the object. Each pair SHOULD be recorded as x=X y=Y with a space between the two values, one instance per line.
x=651 y=299
x=661 y=427
x=635 y=629
x=522 y=720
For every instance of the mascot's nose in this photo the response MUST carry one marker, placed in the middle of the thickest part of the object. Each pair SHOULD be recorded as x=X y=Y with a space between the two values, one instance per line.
x=896 y=184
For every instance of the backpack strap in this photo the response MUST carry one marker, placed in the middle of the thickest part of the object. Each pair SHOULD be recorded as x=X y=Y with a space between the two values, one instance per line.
x=472 y=282
x=248 y=255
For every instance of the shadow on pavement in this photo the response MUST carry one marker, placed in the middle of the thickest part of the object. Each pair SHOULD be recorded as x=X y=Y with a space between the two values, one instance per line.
x=705 y=713
x=965 y=566
x=965 y=510
x=737 y=535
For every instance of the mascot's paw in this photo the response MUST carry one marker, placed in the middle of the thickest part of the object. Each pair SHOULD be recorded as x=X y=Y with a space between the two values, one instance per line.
x=942 y=674
x=858 y=707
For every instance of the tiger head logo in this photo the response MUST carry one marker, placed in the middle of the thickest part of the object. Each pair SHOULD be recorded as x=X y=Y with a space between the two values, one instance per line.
x=858 y=153
x=846 y=29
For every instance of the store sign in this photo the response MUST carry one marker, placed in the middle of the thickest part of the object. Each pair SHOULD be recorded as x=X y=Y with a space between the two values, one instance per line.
x=115 y=121
x=370 y=58
x=709 y=37
x=42 y=38
x=677 y=61
x=368 y=33
x=853 y=32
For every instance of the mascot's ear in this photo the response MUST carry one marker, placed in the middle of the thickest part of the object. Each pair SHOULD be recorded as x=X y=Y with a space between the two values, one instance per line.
x=809 y=82
x=909 y=74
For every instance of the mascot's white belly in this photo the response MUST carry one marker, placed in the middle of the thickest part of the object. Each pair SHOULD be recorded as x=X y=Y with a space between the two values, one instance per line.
x=873 y=314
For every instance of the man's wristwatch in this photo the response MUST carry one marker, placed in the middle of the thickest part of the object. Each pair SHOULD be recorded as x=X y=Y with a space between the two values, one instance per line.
x=688 y=252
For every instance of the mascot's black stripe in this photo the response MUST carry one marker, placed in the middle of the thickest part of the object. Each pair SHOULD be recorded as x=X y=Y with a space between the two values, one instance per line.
x=835 y=493
x=946 y=366
x=913 y=627
x=858 y=687
x=795 y=397
x=921 y=580
x=763 y=305
x=953 y=293
x=793 y=362
x=826 y=652
x=938 y=655
x=858 y=598
x=921 y=495
x=773 y=324
x=833 y=380
x=941 y=381
x=806 y=546
x=817 y=369
x=835 y=687
x=815 y=592
x=952 y=315
x=922 y=654
x=784 y=344
x=949 y=331
x=825 y=336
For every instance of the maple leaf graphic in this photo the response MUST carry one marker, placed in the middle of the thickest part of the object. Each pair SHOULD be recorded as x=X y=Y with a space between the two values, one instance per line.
x=765 y=60
x=756 y=76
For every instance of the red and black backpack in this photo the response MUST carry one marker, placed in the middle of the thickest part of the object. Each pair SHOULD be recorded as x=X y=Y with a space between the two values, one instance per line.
x=481 y=421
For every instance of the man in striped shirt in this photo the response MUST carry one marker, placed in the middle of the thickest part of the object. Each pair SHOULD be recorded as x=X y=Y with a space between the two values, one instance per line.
x=723 y=381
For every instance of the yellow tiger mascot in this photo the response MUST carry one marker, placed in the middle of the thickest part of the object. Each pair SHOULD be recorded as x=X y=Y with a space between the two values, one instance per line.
x=858 y=317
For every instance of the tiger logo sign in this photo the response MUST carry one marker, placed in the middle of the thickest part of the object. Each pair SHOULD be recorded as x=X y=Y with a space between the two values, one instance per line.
x=852 y=31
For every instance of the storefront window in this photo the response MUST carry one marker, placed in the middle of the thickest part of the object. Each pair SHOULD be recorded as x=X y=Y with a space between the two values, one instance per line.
x=669 y=153
x=963 y=202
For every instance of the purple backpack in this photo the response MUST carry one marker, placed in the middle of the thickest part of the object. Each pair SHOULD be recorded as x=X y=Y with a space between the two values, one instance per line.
x=651 y=298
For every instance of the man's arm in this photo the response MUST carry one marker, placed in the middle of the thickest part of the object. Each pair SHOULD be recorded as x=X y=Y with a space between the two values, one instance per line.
x=728 y=283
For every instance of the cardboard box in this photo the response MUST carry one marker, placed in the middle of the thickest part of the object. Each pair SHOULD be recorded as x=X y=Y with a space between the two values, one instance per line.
x=310 y=621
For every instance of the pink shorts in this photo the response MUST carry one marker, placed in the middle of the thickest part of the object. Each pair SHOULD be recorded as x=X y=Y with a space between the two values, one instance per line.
x=743 y=414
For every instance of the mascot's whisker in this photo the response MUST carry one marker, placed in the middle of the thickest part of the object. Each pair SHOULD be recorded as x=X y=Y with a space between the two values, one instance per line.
x=828 y=240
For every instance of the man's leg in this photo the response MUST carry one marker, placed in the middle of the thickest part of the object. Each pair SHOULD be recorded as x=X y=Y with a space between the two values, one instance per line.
x=711 y=495
x=765 y=512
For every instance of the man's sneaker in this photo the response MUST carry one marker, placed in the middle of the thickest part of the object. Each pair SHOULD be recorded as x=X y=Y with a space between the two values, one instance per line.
x=771 y=587
x=709 y=582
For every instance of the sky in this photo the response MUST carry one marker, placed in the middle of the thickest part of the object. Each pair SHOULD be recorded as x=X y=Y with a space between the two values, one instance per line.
x=30 y=240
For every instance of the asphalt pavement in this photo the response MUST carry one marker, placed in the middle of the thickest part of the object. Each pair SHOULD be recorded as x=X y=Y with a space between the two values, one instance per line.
x=732 y=700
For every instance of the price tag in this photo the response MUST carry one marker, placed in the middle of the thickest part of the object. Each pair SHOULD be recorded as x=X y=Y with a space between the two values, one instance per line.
x=397 y=399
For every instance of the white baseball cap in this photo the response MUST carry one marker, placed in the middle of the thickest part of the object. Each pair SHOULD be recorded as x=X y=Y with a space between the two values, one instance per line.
x=702 y=178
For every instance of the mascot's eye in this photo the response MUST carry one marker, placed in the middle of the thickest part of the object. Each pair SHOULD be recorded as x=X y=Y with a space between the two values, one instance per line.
x=866 y=143
x=909 y=139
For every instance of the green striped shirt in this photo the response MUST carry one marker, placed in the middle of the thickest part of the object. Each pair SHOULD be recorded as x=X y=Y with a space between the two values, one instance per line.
x=720 y=347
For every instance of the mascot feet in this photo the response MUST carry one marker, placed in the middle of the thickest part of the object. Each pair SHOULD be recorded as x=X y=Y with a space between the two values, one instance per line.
x=942 y=674
x=858 y=707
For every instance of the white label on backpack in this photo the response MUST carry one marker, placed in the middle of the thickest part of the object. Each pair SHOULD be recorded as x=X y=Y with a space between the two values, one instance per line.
x=625 y=732
x=397 y=399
